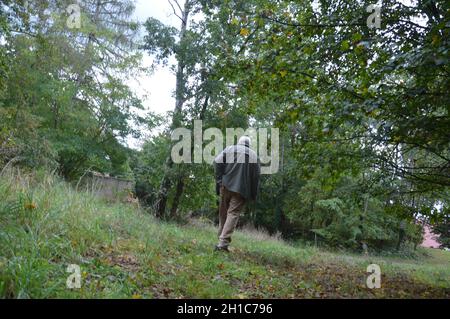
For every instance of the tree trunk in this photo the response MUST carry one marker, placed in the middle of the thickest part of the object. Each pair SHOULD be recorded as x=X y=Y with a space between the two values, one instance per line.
x=281 y=218
x=161 y=201
x=181 y=176
x=176 y=200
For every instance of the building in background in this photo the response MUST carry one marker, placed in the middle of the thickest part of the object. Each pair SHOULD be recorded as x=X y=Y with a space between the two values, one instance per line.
x=429 y=238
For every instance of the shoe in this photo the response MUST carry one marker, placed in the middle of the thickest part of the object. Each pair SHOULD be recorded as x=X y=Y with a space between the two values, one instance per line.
x=221 y=248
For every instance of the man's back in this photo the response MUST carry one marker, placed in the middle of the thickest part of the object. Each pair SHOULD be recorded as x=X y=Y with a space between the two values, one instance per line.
x=238 y=169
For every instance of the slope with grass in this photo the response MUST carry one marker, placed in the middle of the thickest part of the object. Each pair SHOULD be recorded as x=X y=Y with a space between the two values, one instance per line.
x=45 y=225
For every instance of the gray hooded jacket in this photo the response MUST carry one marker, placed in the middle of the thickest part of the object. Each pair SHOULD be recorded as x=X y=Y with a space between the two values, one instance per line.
x=238 y=169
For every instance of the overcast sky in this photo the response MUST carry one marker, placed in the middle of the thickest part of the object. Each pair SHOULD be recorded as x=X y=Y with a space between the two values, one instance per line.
x=161 y=83
x=156 y=90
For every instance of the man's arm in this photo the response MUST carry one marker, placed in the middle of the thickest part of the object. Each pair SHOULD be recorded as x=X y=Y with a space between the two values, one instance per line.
x=219 y=168
x=256 y=172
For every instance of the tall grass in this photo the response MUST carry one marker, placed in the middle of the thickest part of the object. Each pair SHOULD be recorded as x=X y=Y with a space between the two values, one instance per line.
x=123 y=252
x=46 y=225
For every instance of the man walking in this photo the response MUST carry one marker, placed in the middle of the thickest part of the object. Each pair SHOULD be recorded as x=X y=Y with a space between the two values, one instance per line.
x=237 y=179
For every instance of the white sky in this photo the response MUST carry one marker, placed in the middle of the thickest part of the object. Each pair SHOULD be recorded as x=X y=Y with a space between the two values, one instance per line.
x=156 y=90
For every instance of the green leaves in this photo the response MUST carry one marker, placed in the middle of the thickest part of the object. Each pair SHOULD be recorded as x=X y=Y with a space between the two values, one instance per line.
x=345 y=45
x=67 y=88
x=160 y=39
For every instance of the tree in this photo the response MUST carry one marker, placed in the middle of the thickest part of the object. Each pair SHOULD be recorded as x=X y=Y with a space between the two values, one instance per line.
x=71 y=85
x=442 y=228
x=378 y=93
x=200 y=91
x=163 y=40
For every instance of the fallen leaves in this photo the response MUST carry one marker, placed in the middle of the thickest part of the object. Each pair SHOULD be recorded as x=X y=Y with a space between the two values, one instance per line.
x=30 y=206
x=244 y=32
x=184 y=269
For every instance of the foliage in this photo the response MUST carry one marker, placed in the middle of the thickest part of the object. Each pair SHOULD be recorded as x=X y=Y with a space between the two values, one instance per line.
x=363 y=112
x=66 y=101
x=442 y=229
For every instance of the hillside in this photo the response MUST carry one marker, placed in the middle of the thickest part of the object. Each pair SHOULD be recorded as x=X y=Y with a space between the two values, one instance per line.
x=125 y=253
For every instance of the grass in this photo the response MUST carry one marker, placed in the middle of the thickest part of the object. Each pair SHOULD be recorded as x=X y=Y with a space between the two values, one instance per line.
x=45 y=225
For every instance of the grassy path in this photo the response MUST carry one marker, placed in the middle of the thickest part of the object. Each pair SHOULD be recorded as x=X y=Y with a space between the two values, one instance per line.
x=125 y=253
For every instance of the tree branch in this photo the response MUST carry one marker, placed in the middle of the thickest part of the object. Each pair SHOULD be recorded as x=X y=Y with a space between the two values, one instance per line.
x=174 y=11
